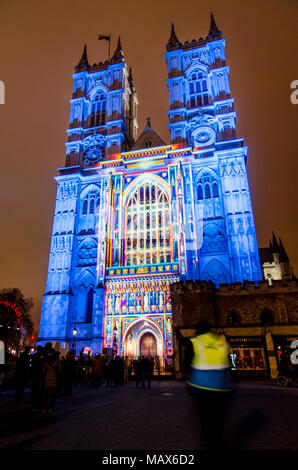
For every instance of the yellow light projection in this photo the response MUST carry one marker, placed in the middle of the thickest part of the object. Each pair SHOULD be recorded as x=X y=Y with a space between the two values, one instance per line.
x=147 y=226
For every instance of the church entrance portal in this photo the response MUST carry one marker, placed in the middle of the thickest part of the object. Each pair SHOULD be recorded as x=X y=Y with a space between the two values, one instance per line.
x=143 y=338
x=148 y=346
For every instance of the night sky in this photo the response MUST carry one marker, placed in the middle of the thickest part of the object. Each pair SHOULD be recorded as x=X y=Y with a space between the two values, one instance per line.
x=42 y=41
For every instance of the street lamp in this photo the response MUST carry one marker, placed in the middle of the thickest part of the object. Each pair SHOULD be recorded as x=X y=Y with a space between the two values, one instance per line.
x=74 y=332
x=114 y=337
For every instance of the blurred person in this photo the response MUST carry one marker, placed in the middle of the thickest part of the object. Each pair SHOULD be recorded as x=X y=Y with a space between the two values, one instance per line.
x=108 y=373
x=138 y=371
x=127 y=369
x=146 y=372
x=49 y=351
x=67 y=373
x=209 y=383
x=118 y=371
x=157 y=365
x=51 y=370
x=97 y=369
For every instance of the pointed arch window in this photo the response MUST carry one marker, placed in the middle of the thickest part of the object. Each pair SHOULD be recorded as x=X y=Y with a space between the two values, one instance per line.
x=89 y=305
x=200 y=192
x=207 y=191
x=207 y=187
x=85 y=206
x=91 y=206
x=215 y=192
x=149 y=207
x=90 y=202
x=198 y=90
x=98 y=110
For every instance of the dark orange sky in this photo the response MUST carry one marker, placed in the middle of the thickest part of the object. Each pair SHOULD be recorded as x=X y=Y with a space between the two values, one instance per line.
x=42 y=41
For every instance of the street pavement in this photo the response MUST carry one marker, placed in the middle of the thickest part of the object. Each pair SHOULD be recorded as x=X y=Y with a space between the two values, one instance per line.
x=263 y=417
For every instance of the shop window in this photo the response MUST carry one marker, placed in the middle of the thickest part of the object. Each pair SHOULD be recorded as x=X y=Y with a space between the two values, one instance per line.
x=248 y=358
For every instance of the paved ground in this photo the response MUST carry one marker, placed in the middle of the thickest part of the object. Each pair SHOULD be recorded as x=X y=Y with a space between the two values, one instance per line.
x=264 y=417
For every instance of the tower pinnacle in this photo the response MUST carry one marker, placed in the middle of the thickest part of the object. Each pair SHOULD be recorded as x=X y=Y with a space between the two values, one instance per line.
x=275 y=246
x=84 y=59
x=118 y=51
x=173 y=38
x=213 y=29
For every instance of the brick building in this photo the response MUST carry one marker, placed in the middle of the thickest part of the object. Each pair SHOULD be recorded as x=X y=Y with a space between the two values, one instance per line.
x=260 y=321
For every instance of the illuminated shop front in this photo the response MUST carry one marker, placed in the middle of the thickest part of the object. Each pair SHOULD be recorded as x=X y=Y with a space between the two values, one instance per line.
x=248 y=354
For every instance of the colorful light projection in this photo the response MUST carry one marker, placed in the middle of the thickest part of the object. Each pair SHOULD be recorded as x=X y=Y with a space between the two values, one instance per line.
x=128 y=300
x=148 y=238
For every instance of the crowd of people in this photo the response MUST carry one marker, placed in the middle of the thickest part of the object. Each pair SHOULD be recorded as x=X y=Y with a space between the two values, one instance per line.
x=50 y=374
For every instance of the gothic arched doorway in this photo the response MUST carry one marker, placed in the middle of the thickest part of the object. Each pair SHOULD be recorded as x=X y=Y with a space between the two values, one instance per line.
x=148 y=346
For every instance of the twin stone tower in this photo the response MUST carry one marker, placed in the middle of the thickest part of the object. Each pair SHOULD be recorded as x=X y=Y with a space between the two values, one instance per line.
x=134 y=215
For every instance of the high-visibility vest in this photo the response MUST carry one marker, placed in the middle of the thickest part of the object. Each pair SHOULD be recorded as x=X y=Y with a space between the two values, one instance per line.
x=211 y=352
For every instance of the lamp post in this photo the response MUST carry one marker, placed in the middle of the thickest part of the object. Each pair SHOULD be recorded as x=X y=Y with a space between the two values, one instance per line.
x=114 y=338
x=74 y=332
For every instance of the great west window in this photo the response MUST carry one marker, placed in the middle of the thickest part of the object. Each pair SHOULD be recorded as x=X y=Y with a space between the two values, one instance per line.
x=148 y=239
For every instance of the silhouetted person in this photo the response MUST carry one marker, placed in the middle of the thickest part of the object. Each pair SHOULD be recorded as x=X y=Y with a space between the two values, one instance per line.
x=48 y=351
x=127 y=369
x=37 y=377
x=51 y=371
x=209 y=381
x=67 y=372
x=118 y=371
x=22 y=372
x=108 y=373
x=138 y=371
x=157 y=365
x=146 y=371
x=97 y=369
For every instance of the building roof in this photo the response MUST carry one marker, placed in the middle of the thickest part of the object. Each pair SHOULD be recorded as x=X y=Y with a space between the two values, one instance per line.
x=148 y=138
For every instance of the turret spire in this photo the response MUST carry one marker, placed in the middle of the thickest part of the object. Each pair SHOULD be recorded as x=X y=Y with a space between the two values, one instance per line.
x=118 y=51
x=283 y=254
x=130 y=78
x=173 y=38
x=213 y=29
x=275 y=247
x=84 y=59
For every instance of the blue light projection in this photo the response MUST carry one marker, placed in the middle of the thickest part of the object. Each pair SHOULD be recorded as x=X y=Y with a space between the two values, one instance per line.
x=128 y=221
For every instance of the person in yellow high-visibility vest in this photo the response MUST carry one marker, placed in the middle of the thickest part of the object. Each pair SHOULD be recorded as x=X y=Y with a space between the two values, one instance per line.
x=209 y=382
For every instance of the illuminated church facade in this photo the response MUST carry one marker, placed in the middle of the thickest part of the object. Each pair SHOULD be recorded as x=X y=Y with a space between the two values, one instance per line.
x=134 y=215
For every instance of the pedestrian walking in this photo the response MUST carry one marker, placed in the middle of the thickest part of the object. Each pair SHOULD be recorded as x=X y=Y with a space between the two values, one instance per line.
x=209 y=382
x=51 y=370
